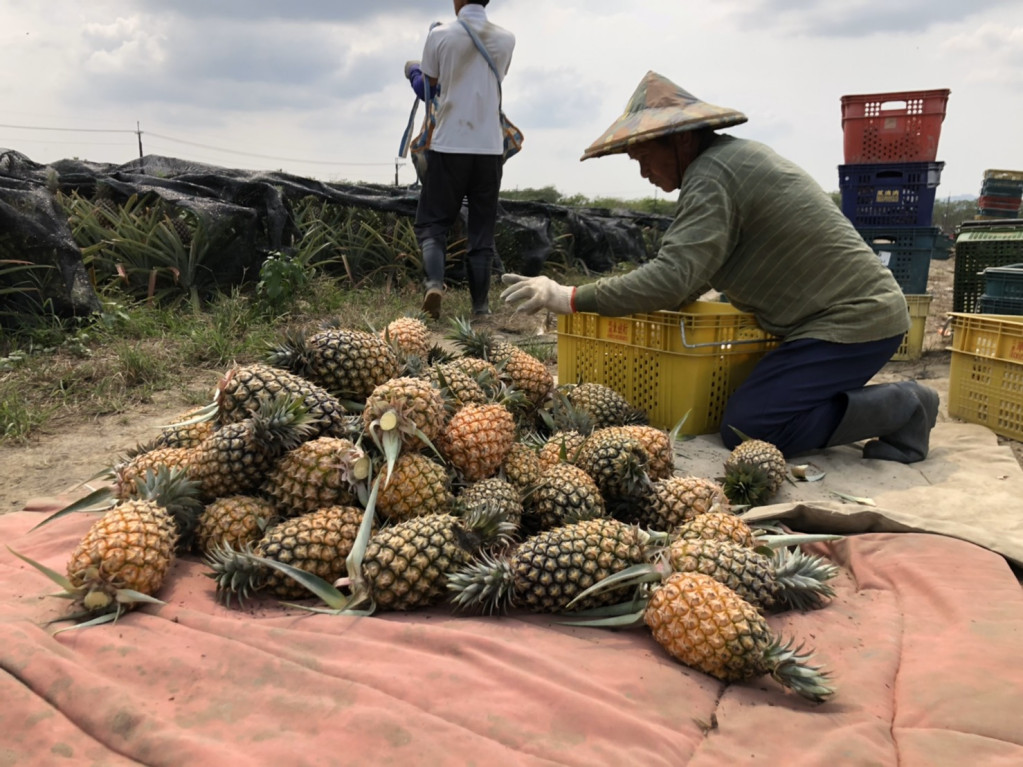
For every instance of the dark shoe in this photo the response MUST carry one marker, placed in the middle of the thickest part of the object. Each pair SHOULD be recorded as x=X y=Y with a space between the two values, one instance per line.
x=431 y=303
x=478 y=273
x=896 y=417
x=910 y=442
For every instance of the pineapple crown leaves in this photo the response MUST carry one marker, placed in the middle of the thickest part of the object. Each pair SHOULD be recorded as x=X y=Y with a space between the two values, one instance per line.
x=473 y=341
x=746 y=483
x=291 y=352
x=286 y=420
x=99 y=607
x=167 y=487
x=236 y=571
x=790 y=667
x=486 y=585
x=802 y=578
x=562 y=415
x=675 y=435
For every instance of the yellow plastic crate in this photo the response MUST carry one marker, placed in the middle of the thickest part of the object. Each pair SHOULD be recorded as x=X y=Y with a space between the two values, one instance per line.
x=986 y=373
x=912 y=346
x=666 y=363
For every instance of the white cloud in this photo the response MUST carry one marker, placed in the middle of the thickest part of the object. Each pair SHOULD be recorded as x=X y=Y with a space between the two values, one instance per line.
x=233 y=83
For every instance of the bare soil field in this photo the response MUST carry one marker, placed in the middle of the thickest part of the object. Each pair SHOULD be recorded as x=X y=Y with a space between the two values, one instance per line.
x=69 y=453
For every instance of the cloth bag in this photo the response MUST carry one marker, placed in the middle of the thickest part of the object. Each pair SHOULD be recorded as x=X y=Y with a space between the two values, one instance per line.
x=417 y=146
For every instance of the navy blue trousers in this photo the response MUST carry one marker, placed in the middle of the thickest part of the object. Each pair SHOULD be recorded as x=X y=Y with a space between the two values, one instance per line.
x=794 y=396
x=450 y=179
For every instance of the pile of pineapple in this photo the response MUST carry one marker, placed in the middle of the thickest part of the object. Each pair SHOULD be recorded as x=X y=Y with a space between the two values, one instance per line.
x=376 y=471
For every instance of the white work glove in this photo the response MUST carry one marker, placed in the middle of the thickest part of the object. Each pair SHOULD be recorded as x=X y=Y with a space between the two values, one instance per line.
x=537 y=293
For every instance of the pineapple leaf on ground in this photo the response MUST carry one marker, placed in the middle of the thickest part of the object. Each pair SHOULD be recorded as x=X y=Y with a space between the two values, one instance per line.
x=94 y=499
x=53 y=575
x=634 y=575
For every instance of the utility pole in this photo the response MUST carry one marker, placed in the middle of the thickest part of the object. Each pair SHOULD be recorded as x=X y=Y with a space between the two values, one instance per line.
x=396 y=163
x=138 y=132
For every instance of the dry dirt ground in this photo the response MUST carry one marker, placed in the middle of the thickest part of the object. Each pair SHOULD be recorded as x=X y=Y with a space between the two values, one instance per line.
x=71 y=453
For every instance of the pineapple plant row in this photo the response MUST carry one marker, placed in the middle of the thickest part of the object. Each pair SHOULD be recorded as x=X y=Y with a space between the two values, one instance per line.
x=377 y=472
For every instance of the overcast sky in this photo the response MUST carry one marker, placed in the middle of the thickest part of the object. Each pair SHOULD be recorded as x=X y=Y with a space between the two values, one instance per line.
x=315 y=87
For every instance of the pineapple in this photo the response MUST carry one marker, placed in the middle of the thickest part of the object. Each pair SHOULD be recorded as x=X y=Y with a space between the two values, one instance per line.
x=419 y=485
x=403 y=413
x=318 y=542
x=127 y=473
x=485 y=373
x=477 y=439
x=786 y=581
x=496 y=492
x=408 y=336
x=604 y=405
x=124 y=557
x=184 y=431
x=707 y=626
x=561 y=447
x=235 y=521
x=564 y=494
x=718 y=526
x=754 y=471
x=657 y=444
x=525 y=372
x=616 y=461
x=522 y=466
x=404 y=566
x=548 y=570
x=673 y=501
x=458 y=386
x=325 y=471
x=346 y=362
x=237 y=457
x=242 y=389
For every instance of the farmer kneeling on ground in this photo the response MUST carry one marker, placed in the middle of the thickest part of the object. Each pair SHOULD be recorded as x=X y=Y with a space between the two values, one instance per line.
x=756 y=227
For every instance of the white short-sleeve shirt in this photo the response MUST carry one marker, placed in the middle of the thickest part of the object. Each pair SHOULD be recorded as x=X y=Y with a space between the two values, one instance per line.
x=468 y=119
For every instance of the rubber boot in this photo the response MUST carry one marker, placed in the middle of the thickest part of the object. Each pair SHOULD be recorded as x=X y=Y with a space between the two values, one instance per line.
x=478 y=275
x=896 y=417
x=433 y=266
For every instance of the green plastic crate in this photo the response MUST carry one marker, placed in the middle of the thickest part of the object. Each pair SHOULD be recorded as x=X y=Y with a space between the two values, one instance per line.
x=977 y=249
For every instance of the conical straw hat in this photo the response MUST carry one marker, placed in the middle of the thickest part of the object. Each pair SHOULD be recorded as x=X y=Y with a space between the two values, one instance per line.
x=658 y=108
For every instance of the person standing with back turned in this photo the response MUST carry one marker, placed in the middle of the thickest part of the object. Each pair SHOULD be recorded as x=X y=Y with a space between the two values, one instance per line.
x=464 y=158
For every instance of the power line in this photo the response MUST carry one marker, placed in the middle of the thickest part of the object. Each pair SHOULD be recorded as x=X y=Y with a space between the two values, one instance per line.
x=140 y=133
x=261 y=156
x=69 y=130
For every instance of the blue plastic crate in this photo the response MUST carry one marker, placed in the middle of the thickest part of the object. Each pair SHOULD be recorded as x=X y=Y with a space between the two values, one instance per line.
x=907 y=252
x=979 y=246
x=998 y=305
x=900 y=194
x=1004 y=282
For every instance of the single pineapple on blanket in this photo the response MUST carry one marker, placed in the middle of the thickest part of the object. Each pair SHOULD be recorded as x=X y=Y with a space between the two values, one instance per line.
x=124 y=557
x=709 y=627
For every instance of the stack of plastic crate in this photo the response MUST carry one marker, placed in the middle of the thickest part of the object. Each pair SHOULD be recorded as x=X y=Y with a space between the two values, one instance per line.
x=888 y=184
x=1000 y=195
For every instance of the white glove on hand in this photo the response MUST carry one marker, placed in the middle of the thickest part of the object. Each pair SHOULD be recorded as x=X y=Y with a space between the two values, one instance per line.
x=537 y=293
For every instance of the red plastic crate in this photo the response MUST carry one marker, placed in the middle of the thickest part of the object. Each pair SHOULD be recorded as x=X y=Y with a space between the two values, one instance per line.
x=902 y=126
x=999 y=203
